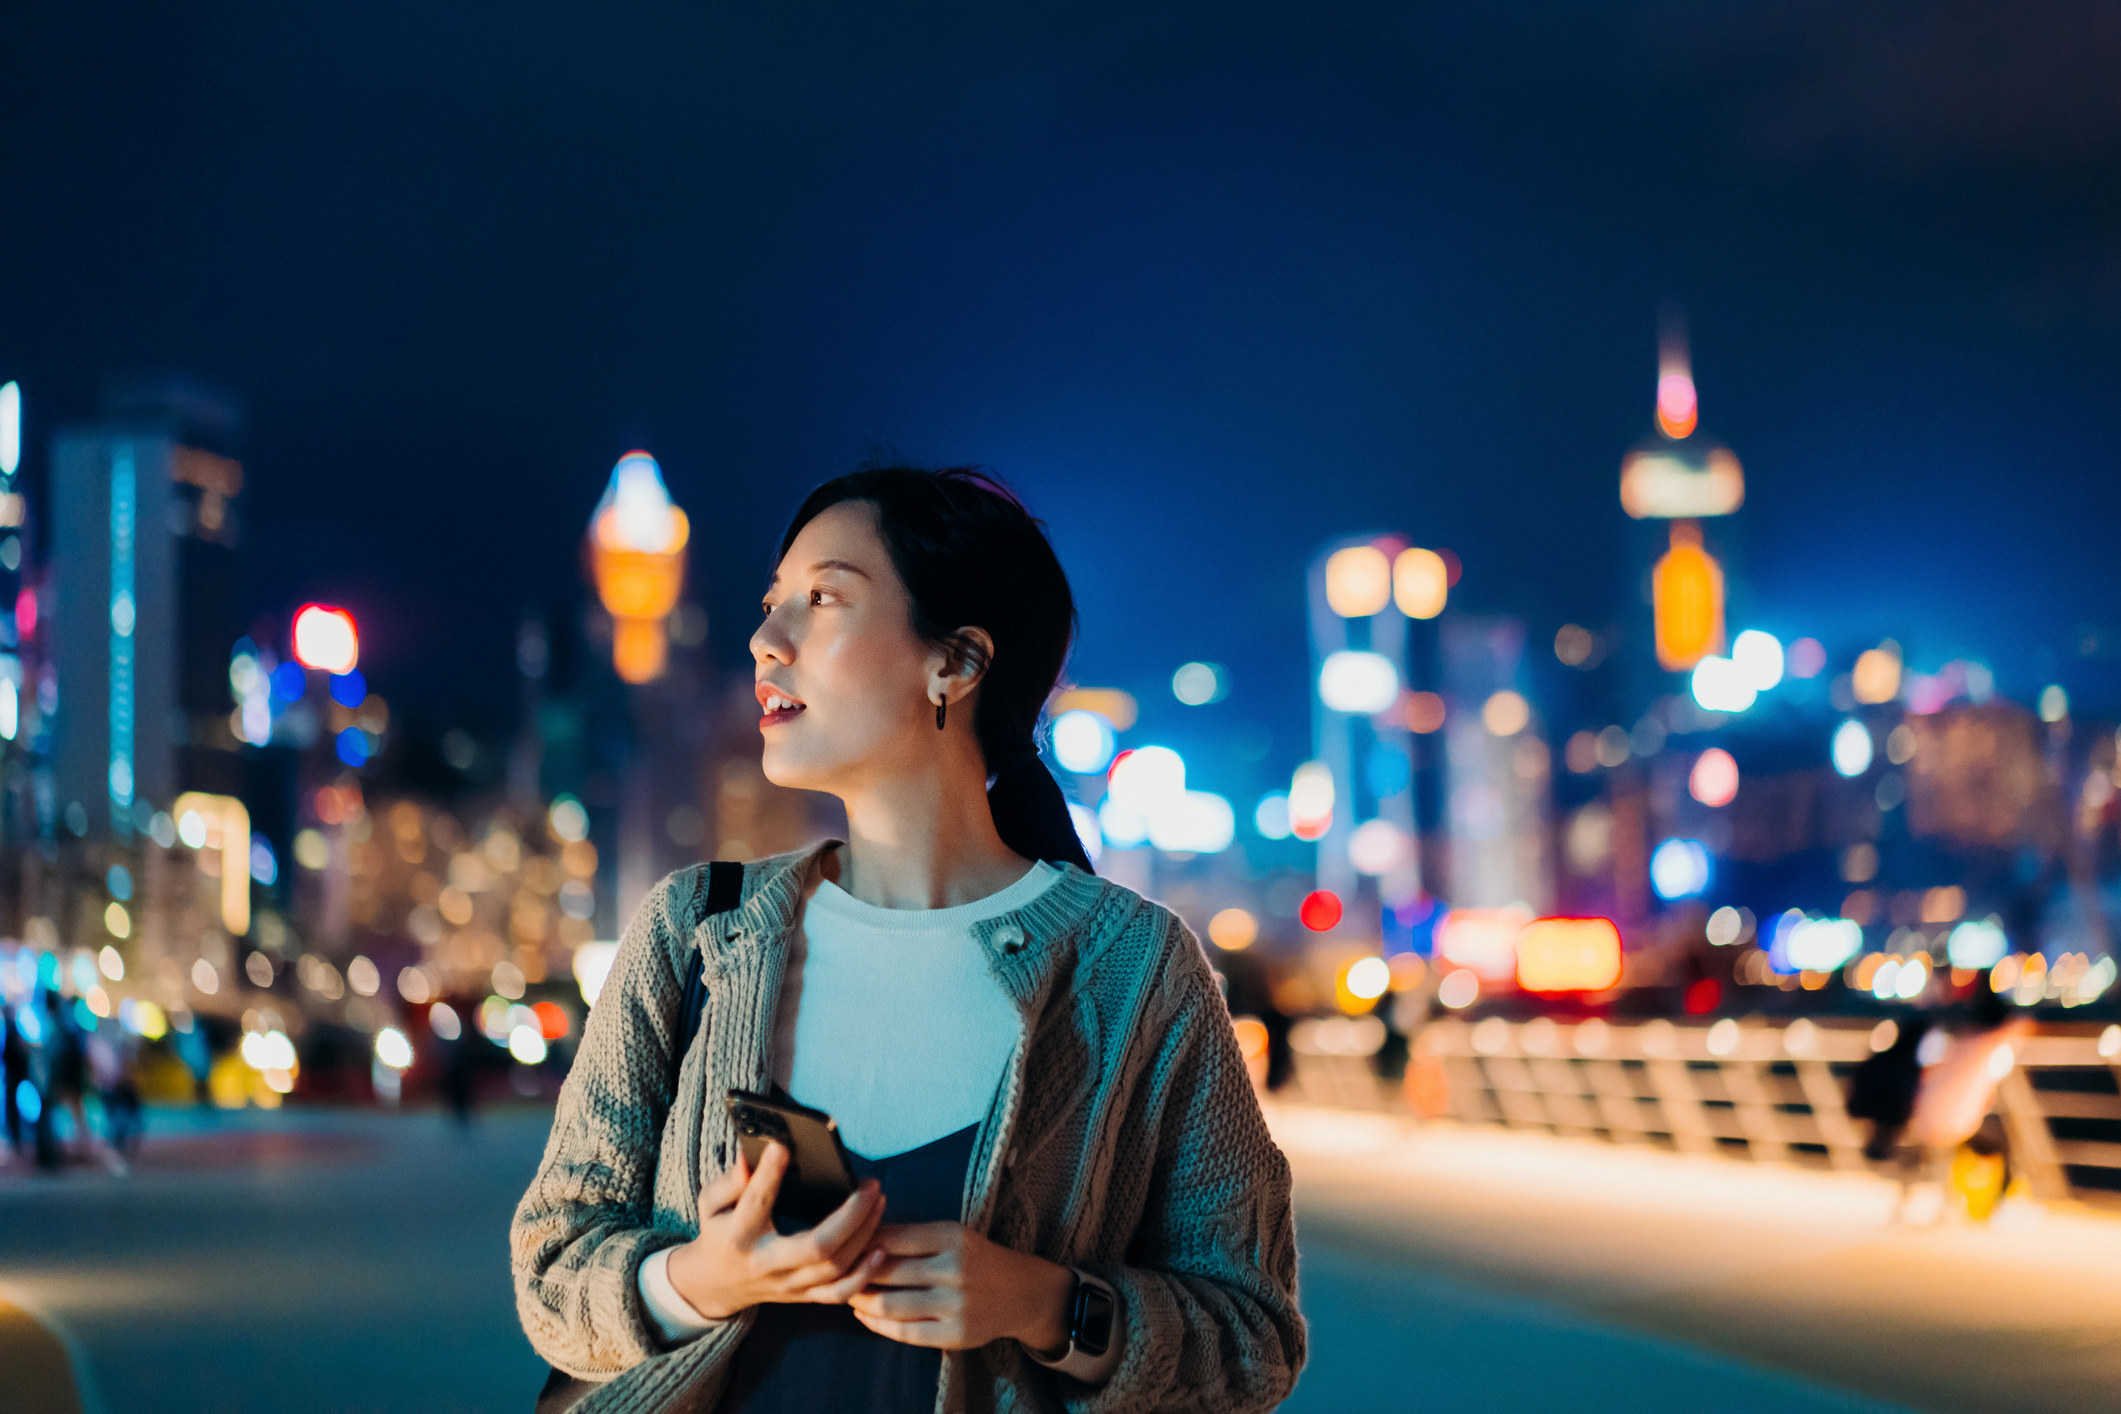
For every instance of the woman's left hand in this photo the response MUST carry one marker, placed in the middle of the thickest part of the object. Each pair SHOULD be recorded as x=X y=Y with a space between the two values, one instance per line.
x=945 y=1286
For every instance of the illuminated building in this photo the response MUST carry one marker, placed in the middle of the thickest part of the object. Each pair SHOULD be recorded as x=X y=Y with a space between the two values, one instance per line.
x=637 y=554
x=1356 y=798
x=1676 y=474
x=142 y=605
x=1500 y=769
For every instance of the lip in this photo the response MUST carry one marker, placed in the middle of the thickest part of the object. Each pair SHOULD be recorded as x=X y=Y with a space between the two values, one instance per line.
x=766 y=690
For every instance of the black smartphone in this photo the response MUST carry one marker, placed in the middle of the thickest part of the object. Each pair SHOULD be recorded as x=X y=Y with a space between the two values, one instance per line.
x=820 y=1173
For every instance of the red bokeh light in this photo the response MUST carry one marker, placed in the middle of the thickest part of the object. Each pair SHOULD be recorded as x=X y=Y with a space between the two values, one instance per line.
x=1702 y=996
x=325 y=639
x=1320 y=910
x=552 y=1020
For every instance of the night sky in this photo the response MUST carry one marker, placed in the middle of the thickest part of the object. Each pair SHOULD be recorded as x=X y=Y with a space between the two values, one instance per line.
x=1206 y=286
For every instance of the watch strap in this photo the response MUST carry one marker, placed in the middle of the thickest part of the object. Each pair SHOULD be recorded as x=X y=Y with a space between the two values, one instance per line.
x=1077 y=1361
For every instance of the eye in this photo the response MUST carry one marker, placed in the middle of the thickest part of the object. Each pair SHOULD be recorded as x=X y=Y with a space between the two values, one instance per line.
x=817 y=597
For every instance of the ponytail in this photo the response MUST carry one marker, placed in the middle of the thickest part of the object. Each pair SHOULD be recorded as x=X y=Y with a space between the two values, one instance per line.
x=1031 y=815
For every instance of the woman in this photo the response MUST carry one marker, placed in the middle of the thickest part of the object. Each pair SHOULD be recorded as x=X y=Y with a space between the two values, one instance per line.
x=1033 y=1067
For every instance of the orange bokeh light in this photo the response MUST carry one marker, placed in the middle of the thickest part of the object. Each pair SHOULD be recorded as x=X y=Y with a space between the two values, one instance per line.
x=1568 y=955
x=1686 y=590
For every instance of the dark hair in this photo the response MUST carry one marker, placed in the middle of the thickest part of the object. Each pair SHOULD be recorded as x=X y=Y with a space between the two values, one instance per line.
x=969 y=554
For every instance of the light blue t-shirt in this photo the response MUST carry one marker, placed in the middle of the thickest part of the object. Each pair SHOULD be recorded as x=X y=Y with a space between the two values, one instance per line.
x=890 y=1019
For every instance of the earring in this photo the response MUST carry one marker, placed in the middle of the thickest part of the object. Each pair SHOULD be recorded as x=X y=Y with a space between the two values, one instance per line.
x=939 y=709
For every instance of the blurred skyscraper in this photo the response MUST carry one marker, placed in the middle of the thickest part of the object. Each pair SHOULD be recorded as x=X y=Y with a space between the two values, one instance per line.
x=1500 y=769
x=143 y=604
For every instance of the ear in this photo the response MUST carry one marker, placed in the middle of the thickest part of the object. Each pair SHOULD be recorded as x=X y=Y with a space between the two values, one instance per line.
x=954 y=672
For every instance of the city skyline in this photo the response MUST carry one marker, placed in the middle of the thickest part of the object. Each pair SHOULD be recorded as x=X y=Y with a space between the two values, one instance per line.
x=1204 y=321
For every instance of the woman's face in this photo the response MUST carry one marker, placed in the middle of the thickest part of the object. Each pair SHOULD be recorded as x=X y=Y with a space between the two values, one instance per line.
x=837 y=642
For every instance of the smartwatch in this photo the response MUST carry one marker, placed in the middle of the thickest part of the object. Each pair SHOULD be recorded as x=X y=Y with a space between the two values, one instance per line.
x=1093 y=1326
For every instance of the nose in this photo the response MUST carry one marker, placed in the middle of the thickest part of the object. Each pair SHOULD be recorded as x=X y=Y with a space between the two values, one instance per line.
x=769 y=642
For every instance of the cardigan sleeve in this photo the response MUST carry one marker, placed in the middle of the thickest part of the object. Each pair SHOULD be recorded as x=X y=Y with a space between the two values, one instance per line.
x=586 y=1223
x=1207 y=1290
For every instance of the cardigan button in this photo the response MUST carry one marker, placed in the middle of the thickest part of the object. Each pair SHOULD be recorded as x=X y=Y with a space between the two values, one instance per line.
x=1010 y=937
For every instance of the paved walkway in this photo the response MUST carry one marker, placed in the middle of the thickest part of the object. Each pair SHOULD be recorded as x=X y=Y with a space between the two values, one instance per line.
x=1769 y=1268
x=1388 y=1338
x=357 y=1261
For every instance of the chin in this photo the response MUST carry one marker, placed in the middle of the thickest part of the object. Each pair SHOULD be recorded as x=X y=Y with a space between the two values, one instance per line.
x=788 y=767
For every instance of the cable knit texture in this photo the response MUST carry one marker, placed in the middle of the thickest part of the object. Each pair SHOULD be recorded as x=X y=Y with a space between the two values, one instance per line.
x=1124 y=1139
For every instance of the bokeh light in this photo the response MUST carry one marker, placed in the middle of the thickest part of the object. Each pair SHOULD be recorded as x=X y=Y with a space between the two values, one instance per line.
x=1568 y=955
x=1425 y=712
x=1358 y=682
x=325 y=639
x=1421 y=583
x=1759 y=658
x=1320 y=910
x=1679 y=869
x=1198 y=684
x=1311 y=794
x=1714 y=779
x=1368 y=978
x=1876 y=677
x=1083 y=741
x=1378 y=847
x=1358 y=581
x=1505 y=713
x=1233 y=929
x=1719 y=685
x=1851 y=749
x=393 y=1049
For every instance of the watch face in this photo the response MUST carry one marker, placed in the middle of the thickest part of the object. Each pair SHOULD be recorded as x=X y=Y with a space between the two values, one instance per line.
x=1093 y=1319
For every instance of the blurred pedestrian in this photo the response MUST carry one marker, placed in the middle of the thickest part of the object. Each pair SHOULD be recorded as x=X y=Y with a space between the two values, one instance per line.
x=1883 y=1086
x=1951 y=1123
x=460 y=1071
x=1032 y=1067
x=114 y=1066
x=14 y=1066
x=1981 y=1171
x=65 y=1079
x=1251 y=993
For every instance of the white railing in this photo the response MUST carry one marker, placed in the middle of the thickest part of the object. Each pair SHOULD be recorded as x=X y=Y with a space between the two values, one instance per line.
x=1769 y=1092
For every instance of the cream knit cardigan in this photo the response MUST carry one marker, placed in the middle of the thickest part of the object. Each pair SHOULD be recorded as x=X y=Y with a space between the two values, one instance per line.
x=1124 y=1139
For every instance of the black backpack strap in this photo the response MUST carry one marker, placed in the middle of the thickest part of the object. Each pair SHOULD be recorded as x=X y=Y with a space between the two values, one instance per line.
x=725 y=890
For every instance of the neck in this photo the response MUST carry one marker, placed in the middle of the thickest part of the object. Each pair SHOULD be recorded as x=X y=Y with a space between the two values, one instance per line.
x=924 y=840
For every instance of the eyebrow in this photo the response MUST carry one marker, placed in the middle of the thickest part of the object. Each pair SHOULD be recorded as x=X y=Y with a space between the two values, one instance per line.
x=846 y=565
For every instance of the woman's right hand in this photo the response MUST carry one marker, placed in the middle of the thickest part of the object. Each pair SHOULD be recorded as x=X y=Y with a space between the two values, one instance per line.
x=738 y=1260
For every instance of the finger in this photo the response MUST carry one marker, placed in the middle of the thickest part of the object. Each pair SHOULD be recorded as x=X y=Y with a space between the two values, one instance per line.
x=755 y=1209
x=800 y=1259
x=918 y=1271
x=837 y=1292
x=909 y=1304
x=863 y=1239
x=849 y=1217
x=924 y=1333
x=825 y=1251
x=799 y=1266
x=921 y=1239
x=723 y=1189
